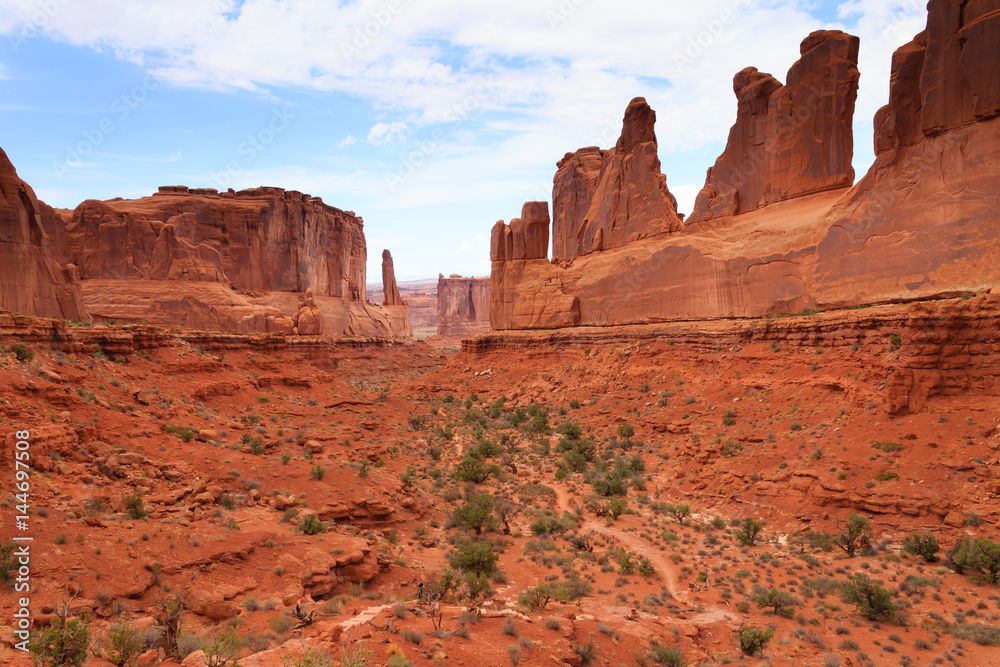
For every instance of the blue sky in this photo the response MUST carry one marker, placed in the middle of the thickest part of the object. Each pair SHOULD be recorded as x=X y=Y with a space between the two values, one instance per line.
x=431 y=119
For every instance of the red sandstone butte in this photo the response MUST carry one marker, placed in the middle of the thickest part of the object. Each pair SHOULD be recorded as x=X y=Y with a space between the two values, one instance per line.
x=389 y=287
x=32 y=281
x=605 y=199
x=463 y=305
x=788 y=140
x=233 y=261
x=922 y=223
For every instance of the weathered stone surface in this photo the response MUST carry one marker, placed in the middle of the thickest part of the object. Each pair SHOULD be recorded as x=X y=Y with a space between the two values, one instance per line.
x=32 y=280
x=788 y=140
x=190 y=257
x=922 y=223
x=389 y=287
x=946 y=77
x=605 y=199
x=463 y=305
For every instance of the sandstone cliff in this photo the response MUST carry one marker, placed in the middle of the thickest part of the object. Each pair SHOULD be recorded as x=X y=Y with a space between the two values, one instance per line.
x=390 y=289
x=463 y=305
x=236 y=261
x=788 y=140
x=32 y=282
x=921 y=224
x=606 y=199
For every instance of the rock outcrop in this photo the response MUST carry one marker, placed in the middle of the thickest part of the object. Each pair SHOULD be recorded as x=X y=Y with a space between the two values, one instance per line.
x=232 y=261
x=32 y=282
x=790 y=236
x=463 y=305
x=389 y=287
x=606 y=199
x=788 y=140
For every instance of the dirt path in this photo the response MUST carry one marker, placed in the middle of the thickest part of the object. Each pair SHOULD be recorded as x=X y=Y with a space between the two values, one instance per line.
x=662 y=565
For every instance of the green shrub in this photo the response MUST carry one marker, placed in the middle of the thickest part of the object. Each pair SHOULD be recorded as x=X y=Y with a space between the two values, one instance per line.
x=869 y=596
x=22 y=353
x=64 y=642
x=978 y=556
x=856 y=533
x=666 y=655
x=317 y=472
x=752 y=639
x=134 y=505
x=925 y=546
x=780 y=603
x=748 y=530
x=311 y=525
x=476 y=514
x=124 y=644
x=477 y=557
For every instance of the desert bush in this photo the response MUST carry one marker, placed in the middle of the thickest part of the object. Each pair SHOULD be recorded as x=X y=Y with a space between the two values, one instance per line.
x=477 y=557
x=780 y=603
x=856 y=533
x=311 y=525
x=124 y=644
x=869 y=596
x=978 y=556
x=925 y=546
x=666 y=655
x=752 y=639
x=64 y=642
x=748 y=530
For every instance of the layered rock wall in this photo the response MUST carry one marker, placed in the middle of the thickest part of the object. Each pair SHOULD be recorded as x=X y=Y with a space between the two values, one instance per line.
x=463 y=305
x=32 y=280
x=788 y=140
x=237 y=261
x=922 y=223
x=606 y=199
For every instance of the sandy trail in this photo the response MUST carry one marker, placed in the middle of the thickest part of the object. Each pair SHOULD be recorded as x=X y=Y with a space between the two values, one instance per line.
x=661 y=564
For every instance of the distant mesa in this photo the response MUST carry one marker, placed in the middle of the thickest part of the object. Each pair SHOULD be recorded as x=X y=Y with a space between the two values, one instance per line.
x=261 y=260
x=463 y=305
x=780 y=226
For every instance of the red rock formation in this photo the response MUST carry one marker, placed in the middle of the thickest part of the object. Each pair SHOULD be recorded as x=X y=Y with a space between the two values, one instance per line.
x=31 y=281
x=572 y=193
x=788 y=140
x=389 y=287
x=197 y=258
x=605 y=199
x=923 y=222
x=463 y=305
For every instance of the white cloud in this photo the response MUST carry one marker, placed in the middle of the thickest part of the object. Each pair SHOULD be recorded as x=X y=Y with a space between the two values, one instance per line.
x=473 y=245
x=384 y=133
x=349 y=140
x=511 y=89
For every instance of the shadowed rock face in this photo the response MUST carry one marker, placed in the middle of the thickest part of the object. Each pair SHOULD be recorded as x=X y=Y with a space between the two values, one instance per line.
x=389 y=287
x=463 y=305
x=260 y=239
x=197 y=258
x=788 y=234
x=788 y=140
x=605 y=199
x=32 y=282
